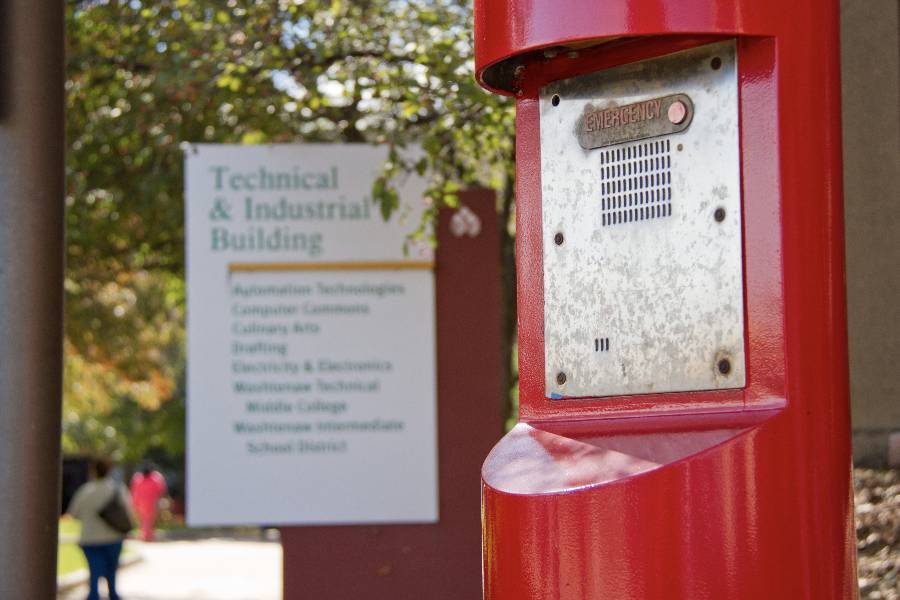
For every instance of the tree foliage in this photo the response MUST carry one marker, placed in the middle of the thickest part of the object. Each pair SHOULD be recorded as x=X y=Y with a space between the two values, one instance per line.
x=145 y=77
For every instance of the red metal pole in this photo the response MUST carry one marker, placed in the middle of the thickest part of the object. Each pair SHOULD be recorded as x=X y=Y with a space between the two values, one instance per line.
x=734 y=493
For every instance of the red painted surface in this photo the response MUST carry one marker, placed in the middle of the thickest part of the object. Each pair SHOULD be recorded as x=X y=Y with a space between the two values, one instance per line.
x=741 y=494
x=507 y=28
x=440 y=561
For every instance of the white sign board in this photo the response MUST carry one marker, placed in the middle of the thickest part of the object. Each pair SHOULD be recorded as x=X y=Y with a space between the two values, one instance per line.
x=311 y=350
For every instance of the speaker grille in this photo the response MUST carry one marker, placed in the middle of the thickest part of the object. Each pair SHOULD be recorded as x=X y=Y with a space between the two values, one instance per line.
x=636 y=182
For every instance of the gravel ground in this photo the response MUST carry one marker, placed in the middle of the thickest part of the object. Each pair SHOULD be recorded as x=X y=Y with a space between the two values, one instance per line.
x=878 y=533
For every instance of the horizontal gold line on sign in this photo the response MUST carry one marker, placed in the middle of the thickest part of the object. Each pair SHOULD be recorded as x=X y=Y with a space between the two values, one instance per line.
x=387 y=265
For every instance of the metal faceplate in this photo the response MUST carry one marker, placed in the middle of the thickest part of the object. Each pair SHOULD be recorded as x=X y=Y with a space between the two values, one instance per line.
x=643 y=274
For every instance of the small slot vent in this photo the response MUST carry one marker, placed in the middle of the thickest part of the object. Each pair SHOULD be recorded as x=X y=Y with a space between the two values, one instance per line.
x=601 y=344
x=636 y=182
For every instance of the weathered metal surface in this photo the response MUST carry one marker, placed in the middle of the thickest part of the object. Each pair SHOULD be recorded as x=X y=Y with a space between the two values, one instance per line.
x=650 y=263
x=608 y=122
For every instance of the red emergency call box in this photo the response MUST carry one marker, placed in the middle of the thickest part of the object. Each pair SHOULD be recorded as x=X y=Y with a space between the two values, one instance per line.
x=684 y=420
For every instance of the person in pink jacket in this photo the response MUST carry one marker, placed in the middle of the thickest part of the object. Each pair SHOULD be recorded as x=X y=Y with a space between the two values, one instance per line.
x=147 y=487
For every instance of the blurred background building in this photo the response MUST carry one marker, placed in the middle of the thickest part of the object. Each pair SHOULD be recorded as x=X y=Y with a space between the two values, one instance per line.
x=870 y=53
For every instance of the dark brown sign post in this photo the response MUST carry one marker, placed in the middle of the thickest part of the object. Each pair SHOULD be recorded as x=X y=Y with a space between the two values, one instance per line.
x=436 y=561
x=32 y=146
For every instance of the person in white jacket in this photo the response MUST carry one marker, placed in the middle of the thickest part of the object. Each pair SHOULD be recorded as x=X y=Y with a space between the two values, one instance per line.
x=101 y=543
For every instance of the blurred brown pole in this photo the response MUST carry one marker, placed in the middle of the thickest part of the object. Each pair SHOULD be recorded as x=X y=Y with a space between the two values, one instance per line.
x=32 y=150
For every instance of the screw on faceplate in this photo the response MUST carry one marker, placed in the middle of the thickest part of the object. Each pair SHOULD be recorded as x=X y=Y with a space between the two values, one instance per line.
x=719 y=215
x=724 y=366
x=679 y=147
x=715 y=63
x=559 y=239
x=560 y=378
x=555 y=100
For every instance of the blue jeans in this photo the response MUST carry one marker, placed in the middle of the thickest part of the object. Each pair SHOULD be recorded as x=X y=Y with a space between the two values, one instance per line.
x=103 y=560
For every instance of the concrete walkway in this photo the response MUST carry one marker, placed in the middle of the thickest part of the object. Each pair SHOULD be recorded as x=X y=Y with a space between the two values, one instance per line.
x=211 y=569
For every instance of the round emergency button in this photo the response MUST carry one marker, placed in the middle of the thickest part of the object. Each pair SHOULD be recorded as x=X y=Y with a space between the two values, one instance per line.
x=677 y=112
